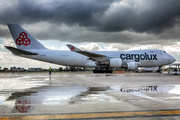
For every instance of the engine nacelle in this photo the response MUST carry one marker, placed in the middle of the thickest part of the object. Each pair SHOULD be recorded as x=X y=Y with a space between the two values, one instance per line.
x=115 y=62
x=132 y=66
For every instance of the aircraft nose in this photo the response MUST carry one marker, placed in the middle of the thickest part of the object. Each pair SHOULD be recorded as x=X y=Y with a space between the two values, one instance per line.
x=172 y=59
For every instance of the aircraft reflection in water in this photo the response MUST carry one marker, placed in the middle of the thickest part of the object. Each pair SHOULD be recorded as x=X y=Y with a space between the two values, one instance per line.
x=48 y=95
x=56 y=95
x=22 y=105
x=103 y=61
x=142 y=89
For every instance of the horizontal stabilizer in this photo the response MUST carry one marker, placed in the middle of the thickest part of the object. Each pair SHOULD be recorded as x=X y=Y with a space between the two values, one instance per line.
x=19 y=51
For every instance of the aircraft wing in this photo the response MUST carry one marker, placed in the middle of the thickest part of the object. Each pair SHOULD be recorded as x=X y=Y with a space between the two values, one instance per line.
x=91 y=55
x=19 y=51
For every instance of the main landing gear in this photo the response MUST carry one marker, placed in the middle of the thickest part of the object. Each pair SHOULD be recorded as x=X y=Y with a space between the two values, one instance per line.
x=102 y=71
x=160 y=69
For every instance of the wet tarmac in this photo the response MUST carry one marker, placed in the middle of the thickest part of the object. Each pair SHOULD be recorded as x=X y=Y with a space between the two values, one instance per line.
x=89 y=96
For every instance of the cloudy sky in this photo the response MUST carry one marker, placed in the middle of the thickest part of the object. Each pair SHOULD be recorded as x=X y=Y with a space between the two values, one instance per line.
x=92 y=25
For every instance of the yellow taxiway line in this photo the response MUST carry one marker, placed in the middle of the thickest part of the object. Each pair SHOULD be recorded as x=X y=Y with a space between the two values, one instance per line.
x=96 y=115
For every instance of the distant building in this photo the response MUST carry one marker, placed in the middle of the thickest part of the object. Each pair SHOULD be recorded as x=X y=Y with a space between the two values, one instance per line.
x=55 y=69
x=34 y=69
x=6 y=69
x=151 y=69
x=14 y=69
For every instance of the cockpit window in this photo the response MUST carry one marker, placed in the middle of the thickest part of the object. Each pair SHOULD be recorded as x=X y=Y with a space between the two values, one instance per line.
x=164 y=51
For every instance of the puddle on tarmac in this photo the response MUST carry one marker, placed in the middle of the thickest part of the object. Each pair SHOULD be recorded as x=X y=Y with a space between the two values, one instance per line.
x=141 y=91
x=28 y=100
x=57 y=95
x=95 y=94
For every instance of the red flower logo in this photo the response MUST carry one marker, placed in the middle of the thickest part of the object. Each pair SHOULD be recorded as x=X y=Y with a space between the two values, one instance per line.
x=22 y=105
x=72 y=48
x=23 y=39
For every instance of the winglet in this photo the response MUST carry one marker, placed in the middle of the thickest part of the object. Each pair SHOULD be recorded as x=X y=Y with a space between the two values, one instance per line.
x=73 y=48
x=92 y=55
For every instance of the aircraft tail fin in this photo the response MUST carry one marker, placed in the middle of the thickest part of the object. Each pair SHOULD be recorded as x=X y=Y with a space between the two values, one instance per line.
x=23 y=39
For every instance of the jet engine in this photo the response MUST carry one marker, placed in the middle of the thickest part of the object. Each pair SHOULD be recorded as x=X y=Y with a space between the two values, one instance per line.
x=114 y=62
x=132 y=65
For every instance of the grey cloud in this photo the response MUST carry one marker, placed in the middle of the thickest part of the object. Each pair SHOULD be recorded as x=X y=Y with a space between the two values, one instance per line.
x=104 y=15
x=118 y=21
x=56 y=11
x=142 y=16
x=78 y=34
x=4 y=32
x=171 y=33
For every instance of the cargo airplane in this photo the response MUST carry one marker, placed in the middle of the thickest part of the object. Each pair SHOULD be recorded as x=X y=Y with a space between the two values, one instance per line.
x=102 y=61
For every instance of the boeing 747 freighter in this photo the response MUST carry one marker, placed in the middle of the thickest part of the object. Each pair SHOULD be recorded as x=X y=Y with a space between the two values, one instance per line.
x=103 y=61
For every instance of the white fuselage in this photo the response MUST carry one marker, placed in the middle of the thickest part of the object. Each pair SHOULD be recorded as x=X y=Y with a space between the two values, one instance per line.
x=29 y=47
x=145 y=58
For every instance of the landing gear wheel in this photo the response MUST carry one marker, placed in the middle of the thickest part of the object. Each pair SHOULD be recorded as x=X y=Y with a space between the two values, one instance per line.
x=95 y=71
x=102 y=71
x=160 y=69
x=110 y=71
